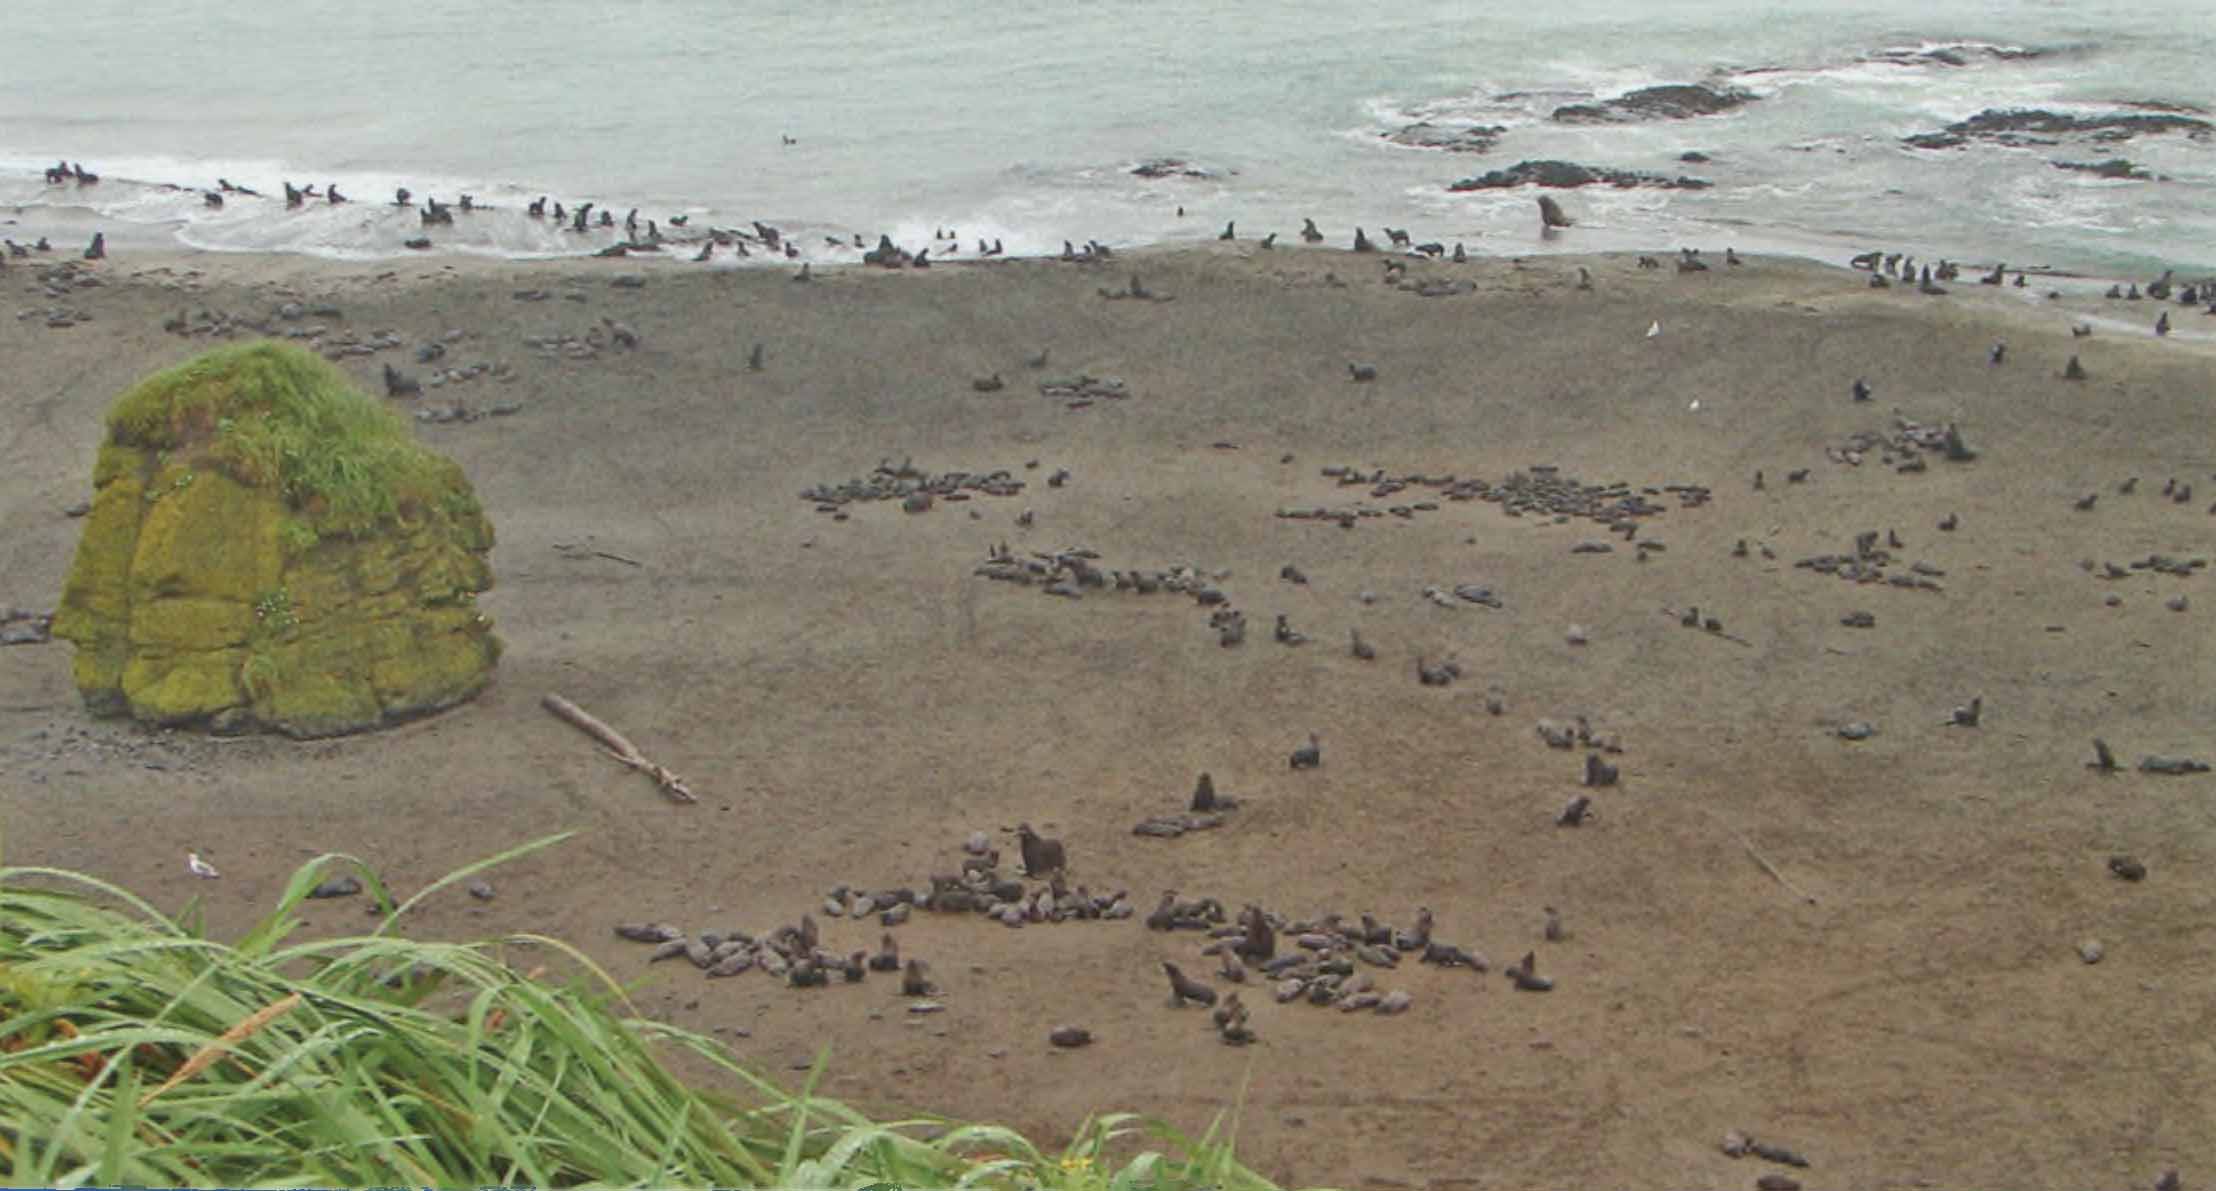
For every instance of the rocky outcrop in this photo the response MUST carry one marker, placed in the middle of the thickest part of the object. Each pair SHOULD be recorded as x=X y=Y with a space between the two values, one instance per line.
x=270 y=549
x=1673 y=101
x=2114 y=167
x=1955 y=54
x=1467 y=139
x=2034 y=126
x=1564 y=175
x=1170 y=167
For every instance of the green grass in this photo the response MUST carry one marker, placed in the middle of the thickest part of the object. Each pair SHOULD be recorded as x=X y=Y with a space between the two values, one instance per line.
x=273 y=414
x=136 y=1051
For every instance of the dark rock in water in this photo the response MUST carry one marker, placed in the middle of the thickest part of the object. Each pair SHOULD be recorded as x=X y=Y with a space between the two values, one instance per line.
x=1671 y=101
x=1564 y=175
x=2034 y=126
x=2114 y=167
x=1423 y=134
x=1169 y=167
x=1955 y=54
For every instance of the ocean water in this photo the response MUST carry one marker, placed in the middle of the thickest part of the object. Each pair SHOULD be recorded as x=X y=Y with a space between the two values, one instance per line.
x=1022 y=122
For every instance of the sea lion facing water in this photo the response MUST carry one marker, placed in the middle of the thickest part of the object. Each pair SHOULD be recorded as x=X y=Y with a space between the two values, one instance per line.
x=1551 y=214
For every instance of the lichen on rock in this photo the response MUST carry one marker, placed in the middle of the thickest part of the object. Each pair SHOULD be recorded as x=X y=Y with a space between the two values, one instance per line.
x=270 y=548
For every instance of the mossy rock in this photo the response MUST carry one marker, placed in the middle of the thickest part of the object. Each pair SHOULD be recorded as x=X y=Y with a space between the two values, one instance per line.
x=270 y=548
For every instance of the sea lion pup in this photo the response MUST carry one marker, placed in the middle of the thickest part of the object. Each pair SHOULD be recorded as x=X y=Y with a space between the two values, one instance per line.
x=2162 y=324
x=1184 y=988
x=1269 y=241
x=1310 y=755
x=1286 y=634
x=1362 y=242
x=1551 y=214
x=2103 y=760
x=1460 y=257
x=400 y=384
x=1731 y=256
x=1040 y=854
x=887 y=958
x=2073 y=370
x=1861 y=389
x=1996 y=353
x=1361 y=649
x=1362 y=373
x=1259 y=943
x=754 y=359
x=1994 y=277
x=1206 y=799
x=401 y=198
x=1228 y=231
x=98 y=249
x=1967 y=715
x=537 y=209
x=1308 y=232
x=331 y=193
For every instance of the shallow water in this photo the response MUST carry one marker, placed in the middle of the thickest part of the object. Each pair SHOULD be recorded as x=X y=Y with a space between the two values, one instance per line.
x=1022 y=124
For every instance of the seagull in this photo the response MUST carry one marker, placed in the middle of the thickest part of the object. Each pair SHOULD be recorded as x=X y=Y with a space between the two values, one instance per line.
x=1655 y=329
x=200 y=868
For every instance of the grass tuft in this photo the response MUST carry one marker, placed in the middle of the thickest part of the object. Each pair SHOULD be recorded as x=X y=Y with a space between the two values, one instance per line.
x=135 y=1051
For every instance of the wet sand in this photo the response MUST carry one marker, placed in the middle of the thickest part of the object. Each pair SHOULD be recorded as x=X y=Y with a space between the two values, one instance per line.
x=850 y=700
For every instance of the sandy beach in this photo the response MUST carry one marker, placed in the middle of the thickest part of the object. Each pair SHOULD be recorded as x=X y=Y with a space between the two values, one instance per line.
x=1866 y=951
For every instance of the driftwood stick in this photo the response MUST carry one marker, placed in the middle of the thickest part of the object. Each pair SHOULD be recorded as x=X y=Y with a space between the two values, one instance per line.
x=1771 y=869
x=618 y=747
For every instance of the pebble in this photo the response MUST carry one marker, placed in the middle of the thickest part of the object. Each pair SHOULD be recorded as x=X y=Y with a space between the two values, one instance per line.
x=1070 y=1037
x=2091 y=951
x=926 y=1007
x=1858 y=730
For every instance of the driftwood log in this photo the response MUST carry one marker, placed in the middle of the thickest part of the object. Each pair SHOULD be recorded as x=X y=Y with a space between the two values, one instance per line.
x=618 y=747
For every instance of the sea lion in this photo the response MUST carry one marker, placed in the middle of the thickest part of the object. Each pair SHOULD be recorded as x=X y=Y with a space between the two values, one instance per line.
x=1184 y=988
x=607 y=218
x=1040 y=854
x=1269 y=241
x=1524 y=973
x=1361 y=649
x=400 y=198
x=1599 y=772
x=1731 y=257
x=1309 y=755
x=1286 y=634
x=2162 y=324
x=1309 y=233
x=1228 y=229
x=331 y=192
x=1994 y=277
x=1861 y=392
x=1398 y=236
x=1576 y=812
x=1362 y=242
x=400 y=384
x=754 y=359
x=1460 y=257
x=1968 y=715
x=1551 y=214
x=1362 y=373
x=212 y=198
x=98 y=249
x=2073 y=370
x=293 y=197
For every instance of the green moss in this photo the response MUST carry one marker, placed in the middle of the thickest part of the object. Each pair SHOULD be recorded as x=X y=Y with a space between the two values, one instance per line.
x=275 y=415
